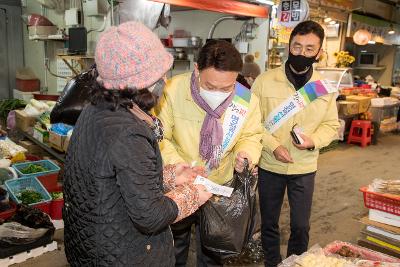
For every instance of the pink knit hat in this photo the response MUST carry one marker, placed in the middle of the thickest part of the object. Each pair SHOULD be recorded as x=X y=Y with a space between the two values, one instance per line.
x=130 y=56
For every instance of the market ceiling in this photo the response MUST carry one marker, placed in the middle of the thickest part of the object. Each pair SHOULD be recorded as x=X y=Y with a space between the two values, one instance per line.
x=224 y=6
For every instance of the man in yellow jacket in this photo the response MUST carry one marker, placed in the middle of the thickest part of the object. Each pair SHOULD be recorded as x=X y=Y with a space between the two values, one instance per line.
x=209 y=119
x=284 y=164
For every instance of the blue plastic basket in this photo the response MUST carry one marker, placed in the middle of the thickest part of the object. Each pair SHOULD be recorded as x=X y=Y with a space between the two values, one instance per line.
x=15 y=186
x=48 y=164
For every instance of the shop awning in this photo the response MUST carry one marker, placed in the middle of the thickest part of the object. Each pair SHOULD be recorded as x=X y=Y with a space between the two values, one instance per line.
x=224 y=6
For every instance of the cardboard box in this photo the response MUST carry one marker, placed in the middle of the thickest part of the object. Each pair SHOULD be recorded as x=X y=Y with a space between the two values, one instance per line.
x=66 y=143
x=31 y=147
x=57 y=141
x=348 y=108
x=40 y=134
x=364 y=102
x=23 y=121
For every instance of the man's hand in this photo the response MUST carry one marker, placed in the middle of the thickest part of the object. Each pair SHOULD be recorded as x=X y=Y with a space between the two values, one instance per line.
x=282 y=154
x=307 y=144
x=239 y=161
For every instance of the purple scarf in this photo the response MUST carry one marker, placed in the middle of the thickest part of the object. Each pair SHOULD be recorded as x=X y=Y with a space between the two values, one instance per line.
x=211 y=134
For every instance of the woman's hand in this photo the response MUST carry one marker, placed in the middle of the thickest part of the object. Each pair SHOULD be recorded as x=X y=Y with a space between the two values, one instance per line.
x=184 y=174
x=200 y=170
x=204 y=195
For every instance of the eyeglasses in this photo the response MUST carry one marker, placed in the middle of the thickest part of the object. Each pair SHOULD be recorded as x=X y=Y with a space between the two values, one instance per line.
x=299 y=50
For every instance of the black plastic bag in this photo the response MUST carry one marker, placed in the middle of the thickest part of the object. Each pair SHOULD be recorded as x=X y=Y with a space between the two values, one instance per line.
x=227 y=223
x=74 y=98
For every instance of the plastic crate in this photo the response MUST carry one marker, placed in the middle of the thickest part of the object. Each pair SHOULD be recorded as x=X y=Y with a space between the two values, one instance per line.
x=56 y=205
x=382 y=202
x=49 y=181
x=48 y=164
x=15 y=186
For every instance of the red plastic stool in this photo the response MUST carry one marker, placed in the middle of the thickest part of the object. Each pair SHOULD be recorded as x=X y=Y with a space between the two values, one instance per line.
x=360 y=132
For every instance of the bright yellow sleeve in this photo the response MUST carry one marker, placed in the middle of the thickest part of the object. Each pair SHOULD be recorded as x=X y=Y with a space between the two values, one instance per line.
x=250 y=137
x=165 y=114
x=268 y=140
x=328 y=129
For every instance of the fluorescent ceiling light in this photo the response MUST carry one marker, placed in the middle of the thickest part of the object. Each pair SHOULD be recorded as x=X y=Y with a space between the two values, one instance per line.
x=328 y=19
x=266 y=2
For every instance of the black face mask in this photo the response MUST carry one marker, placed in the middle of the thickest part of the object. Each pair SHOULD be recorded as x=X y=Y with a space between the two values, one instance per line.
x=301 y=63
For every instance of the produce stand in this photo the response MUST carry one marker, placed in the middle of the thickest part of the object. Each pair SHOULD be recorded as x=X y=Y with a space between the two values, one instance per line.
x=59 y=156
x=385 y=117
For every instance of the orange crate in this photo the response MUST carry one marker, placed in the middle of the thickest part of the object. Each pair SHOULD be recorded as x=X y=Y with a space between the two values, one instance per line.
x=383 y=202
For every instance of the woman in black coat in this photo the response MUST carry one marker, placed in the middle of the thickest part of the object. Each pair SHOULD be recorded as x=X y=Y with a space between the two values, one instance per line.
x=119 y=201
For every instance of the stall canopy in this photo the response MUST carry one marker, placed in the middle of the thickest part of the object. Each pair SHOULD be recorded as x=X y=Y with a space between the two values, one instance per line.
x=223 y=6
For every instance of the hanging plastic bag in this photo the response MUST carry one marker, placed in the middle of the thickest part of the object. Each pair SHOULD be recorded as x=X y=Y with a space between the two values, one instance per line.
x=227 y=223
x=74 y=98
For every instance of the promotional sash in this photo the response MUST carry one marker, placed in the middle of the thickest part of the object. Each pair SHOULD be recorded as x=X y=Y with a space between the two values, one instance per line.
x=297 y=102
x=235 y=115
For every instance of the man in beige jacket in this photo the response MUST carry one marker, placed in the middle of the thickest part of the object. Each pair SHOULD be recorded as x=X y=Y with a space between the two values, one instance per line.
x=285 y=164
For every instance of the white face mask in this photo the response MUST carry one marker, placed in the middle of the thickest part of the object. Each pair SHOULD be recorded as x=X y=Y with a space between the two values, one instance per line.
x=214 y=98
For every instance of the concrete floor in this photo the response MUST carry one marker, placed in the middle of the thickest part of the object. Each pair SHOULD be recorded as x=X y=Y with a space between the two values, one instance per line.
x=337 y=206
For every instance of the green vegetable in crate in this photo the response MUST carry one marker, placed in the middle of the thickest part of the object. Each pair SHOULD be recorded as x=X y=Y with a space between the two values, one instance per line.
x=56 y=195
x=29 y=196
x=33 y=168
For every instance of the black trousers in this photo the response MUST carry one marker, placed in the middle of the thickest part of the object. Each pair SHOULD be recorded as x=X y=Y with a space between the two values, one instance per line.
x=182 y=231
x=272 y=187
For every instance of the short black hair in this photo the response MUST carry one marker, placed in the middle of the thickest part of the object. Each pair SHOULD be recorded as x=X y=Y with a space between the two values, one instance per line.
x=307 y=27
x=221 y=55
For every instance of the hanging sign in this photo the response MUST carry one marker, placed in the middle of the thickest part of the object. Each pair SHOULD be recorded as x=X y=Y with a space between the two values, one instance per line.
x=292 y=12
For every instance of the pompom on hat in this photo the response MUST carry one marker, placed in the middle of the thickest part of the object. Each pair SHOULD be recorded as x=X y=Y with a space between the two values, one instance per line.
x=130 y=56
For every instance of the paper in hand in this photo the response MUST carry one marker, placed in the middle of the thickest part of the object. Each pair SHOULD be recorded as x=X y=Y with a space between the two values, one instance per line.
x=214 y=188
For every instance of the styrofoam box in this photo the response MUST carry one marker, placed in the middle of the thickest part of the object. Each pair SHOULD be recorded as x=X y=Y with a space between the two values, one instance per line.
x=384 y=217
x=24 y=256
x=180 y=42
x=26 y=96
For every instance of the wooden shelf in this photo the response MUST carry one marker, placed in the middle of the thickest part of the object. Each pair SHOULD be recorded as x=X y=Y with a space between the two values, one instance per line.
x=371 y=68
x=81 y=59
x=45 y=38
x=75 y=57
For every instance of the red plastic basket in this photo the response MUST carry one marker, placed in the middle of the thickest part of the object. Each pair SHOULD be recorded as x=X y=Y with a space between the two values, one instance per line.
x=382 y=202
x=49 y=181
x=57 y=205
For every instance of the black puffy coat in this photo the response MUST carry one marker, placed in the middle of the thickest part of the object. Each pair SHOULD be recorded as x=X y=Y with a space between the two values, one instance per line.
x=115 y=211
